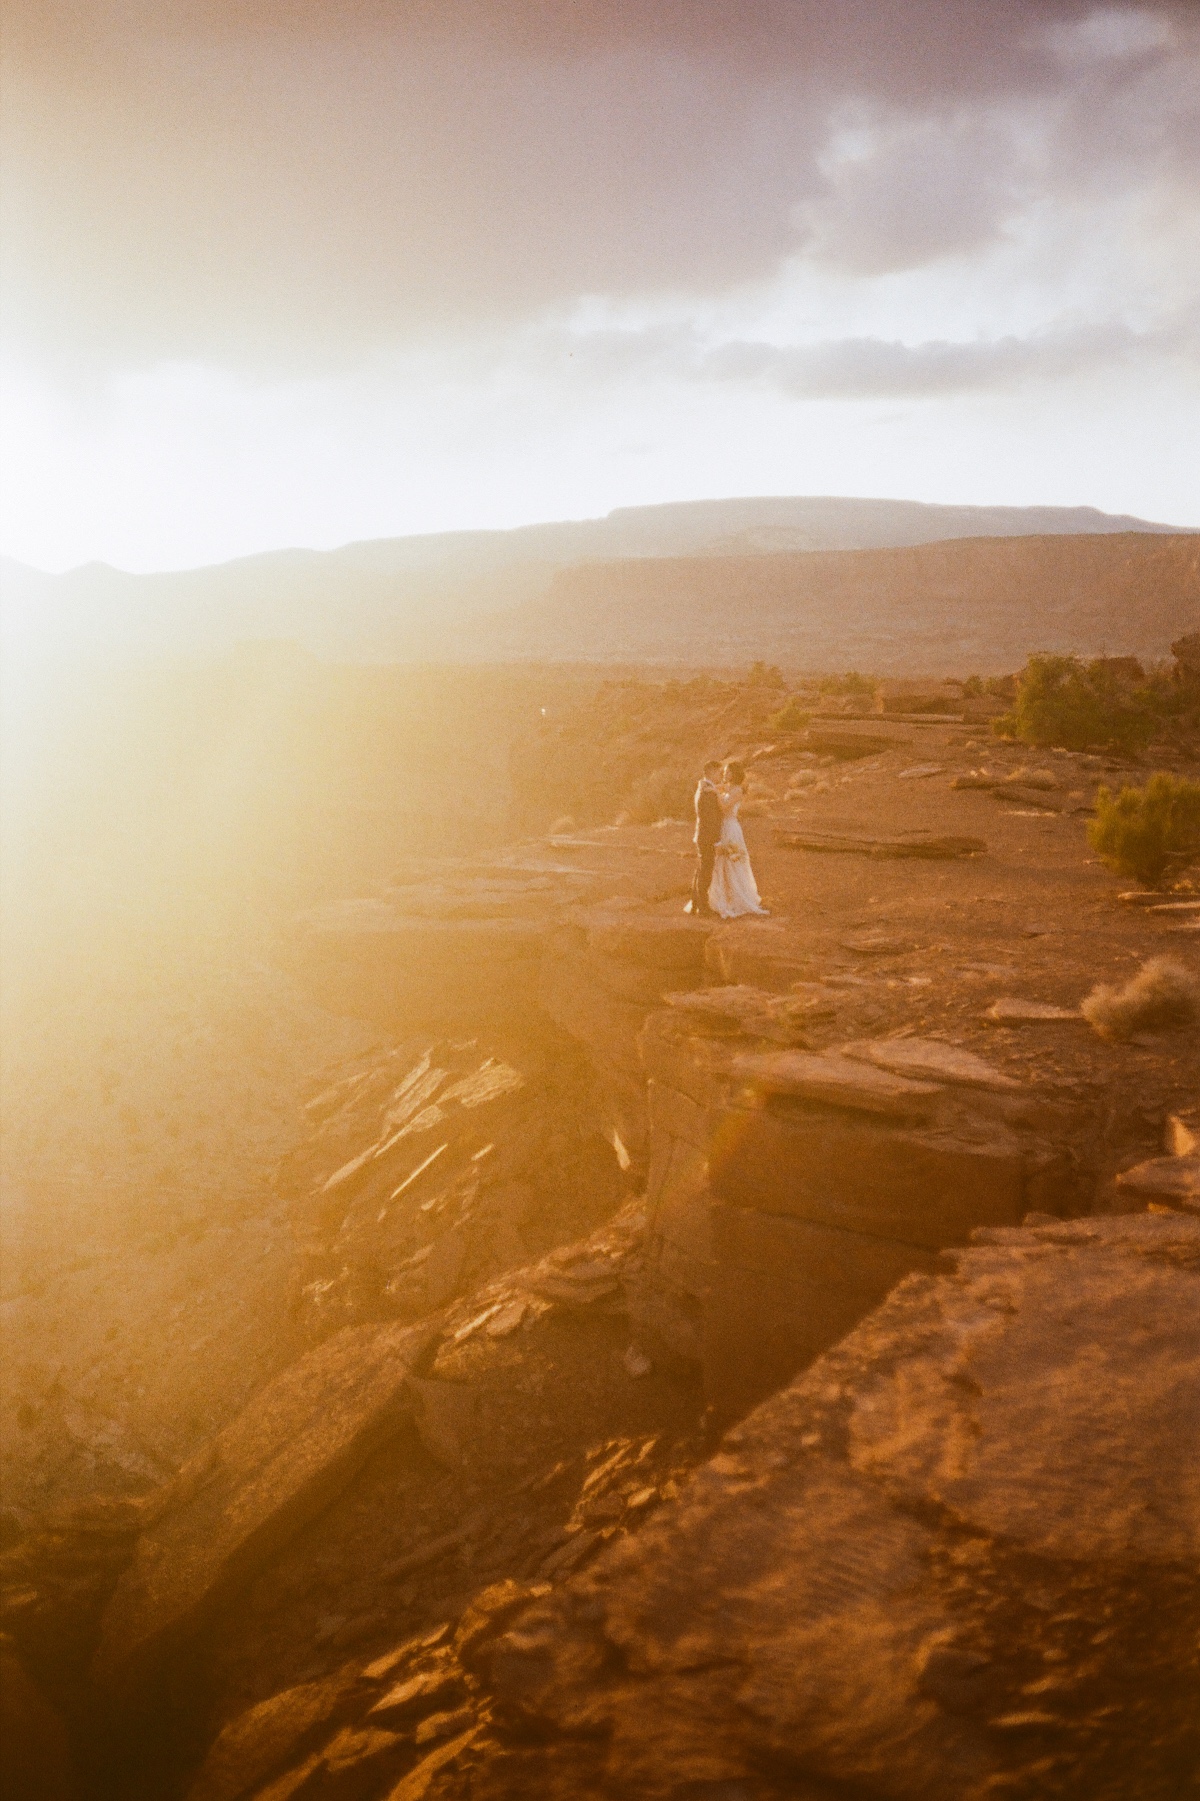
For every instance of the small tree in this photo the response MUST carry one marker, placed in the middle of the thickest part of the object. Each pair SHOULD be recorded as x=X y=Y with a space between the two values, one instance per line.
x=1149 y=832
x=1066 y=702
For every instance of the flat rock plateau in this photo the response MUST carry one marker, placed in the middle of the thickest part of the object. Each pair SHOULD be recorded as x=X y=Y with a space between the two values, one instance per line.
x=488 y=1334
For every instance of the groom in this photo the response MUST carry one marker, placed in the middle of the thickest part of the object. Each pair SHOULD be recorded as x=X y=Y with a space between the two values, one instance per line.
x=708 y=830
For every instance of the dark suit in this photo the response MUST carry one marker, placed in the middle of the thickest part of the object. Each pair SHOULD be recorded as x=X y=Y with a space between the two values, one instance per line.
x=709 y=821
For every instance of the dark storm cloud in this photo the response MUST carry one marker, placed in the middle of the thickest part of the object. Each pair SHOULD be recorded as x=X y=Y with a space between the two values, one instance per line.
x=271 y=183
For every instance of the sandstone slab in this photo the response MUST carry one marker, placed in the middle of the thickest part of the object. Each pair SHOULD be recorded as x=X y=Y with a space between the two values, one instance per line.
x=921 y=845
x=1012 y=1010
x=932 y=1060
x=740 y=1010
x=268 y=1473
x=837 y=1081
x=954 y=1560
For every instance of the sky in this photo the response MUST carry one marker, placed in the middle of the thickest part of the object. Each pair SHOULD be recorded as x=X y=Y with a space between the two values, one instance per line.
x=285 y=272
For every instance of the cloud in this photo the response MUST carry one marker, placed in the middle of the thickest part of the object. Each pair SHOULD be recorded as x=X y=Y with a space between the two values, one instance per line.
x=291 y=185
x=872 y=368
x=901 y=194
x=1111 y=34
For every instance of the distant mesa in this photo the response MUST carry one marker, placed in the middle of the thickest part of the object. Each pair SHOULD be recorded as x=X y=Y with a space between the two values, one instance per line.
x=888 y=585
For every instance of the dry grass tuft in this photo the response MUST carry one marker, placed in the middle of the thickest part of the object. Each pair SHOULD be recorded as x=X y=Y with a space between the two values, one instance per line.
x=1162 y=993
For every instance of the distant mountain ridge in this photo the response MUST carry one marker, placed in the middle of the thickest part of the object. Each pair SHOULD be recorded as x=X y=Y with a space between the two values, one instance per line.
x=941 y=608
x=409 y=598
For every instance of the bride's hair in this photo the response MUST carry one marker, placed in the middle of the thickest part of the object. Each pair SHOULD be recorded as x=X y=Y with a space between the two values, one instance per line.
x=736 y=773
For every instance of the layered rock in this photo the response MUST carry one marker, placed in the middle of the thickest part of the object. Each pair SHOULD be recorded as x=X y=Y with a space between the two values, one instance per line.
x=956 y=1559
x=789 y=1192
x=603 y=974
x=434 y=1165
x=263 y=1477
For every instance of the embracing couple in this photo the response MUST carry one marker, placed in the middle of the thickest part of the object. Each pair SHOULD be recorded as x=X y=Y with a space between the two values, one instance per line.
x=724 y=882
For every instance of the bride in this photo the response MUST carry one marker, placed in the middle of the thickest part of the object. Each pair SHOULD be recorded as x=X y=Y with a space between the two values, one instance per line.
x=733 y=890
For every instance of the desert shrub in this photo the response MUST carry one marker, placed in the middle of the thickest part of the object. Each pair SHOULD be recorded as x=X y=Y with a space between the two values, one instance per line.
x=1148 y=832
x=1162 y=993
x=1065 y=702
x=663 y=794
x=792 y=716
x=1000 y=687
x=1186 y=652
x=850 y=683
x=1173 y=693
x=766 y=675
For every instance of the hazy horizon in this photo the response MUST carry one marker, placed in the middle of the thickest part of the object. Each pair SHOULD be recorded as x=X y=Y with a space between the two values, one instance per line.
x=285 y=549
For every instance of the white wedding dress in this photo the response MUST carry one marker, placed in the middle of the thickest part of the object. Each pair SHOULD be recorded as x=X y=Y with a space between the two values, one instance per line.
x=733 y=890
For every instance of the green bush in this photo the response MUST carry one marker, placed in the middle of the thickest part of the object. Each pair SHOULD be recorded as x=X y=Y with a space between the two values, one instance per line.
x=1149 y=832
x=792 y=716
x=850 y=683
x=1066 y=702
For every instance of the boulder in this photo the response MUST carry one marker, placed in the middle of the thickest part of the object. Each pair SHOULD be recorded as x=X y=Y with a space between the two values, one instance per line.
x=272 y=1735
x=276 y=1466
x=668 y=1300
x=674 y=1057
x=875 y=944
x=1172 y=1181
x=420 y=1779
x=954 y=1560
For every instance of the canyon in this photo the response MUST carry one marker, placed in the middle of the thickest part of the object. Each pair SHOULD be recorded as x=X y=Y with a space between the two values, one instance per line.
x=577 y=1348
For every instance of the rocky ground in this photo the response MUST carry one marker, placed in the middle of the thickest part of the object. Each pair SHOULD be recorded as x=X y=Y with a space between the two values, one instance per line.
x=467 y=1527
